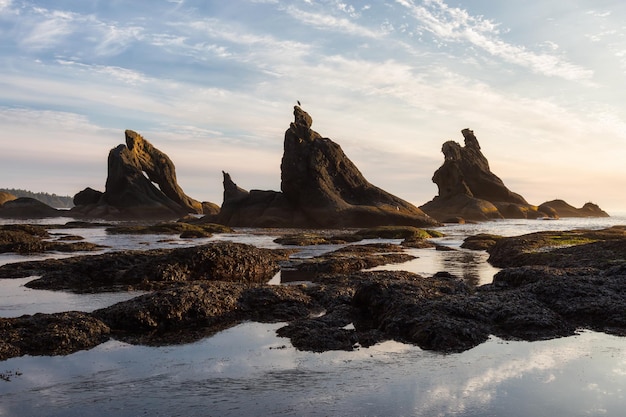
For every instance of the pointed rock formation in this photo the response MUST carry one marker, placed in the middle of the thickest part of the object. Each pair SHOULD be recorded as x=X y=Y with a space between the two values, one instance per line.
x=320 y=186
x=469 y=190
x=133 y=171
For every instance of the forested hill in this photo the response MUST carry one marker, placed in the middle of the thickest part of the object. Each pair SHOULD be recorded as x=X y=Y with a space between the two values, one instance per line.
x=53 y=200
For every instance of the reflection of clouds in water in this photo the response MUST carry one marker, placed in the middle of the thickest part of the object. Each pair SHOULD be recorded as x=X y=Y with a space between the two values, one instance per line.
x=620 y=368
x=249 y=369
x=479 y=390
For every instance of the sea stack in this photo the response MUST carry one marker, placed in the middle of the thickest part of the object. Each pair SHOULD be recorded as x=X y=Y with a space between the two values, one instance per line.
x=469 y=190
x=320 y=187
x=130 y=192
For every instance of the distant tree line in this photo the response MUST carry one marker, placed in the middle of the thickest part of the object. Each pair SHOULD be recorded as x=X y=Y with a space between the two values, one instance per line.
x=53 y=200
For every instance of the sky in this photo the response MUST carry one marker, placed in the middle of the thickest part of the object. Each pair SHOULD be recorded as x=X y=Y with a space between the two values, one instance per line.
x=213 y=84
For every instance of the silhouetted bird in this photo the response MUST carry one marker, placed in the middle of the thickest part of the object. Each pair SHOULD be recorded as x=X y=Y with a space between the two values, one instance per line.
x=298 y=102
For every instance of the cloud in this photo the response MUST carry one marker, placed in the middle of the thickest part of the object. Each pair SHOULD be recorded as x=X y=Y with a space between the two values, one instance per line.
x=452 y=24
x=115 y=39
x=477 y=391
x=50 y=31
x=332 y=23
x=5 y=6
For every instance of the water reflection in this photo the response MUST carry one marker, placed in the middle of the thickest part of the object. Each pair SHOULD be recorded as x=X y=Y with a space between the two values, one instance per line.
x=247 y=370
x=468 y=265
x=16 y=299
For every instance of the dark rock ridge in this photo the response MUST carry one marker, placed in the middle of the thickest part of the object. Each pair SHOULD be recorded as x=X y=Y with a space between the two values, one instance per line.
x=130 y=190
x=469 y=190
x=320 y=188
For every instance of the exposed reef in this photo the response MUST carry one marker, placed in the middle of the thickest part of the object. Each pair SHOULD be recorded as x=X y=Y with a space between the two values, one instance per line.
x=552 y=285
x=150 y=269
x=29 y=239
x=469 y=190
x=320 y=188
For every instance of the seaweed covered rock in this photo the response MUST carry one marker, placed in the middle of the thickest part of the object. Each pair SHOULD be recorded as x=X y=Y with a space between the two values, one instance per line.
x=188 y=312
x=125 y=270
x=50 y=334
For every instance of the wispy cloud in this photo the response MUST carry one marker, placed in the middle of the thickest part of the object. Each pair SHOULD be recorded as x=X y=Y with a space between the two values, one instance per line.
x=452 y=24
x=118 y=73
x=332 y=23
x=51 y=29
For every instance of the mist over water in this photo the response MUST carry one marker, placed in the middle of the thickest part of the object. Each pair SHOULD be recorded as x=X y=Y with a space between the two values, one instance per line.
x=248 y=370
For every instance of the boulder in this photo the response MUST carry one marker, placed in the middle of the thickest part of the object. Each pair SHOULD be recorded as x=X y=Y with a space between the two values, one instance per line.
x=130 y=191
x=469 y=190
x=320 y=187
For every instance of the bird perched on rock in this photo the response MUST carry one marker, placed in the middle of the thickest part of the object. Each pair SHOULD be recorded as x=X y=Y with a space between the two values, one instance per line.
x=298 y=101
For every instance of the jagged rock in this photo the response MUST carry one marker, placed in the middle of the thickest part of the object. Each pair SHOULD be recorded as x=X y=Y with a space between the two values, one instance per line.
x=130 y=191
x=320 y=187
x=469 y=190
x=28 y=208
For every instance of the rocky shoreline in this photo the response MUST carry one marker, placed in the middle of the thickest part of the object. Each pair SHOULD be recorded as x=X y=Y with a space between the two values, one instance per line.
x=552 y=284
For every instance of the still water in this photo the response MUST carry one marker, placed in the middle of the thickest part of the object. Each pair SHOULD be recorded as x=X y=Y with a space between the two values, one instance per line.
x=248 y=370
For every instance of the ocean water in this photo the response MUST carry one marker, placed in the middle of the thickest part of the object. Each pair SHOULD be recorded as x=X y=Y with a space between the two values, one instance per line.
x=248 y=370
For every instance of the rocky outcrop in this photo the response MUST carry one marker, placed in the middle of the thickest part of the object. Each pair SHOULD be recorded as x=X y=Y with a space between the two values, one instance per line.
x=28 y=208
x=553 y=284
x=50 y=334
x=469 y=190
x=566 y=210
x=600 y=249
x=24 y=238
x=4 y=197
x=145 y=270
x=186 y=313
x=86 y=197
x=320 y=187
x=130 y=191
